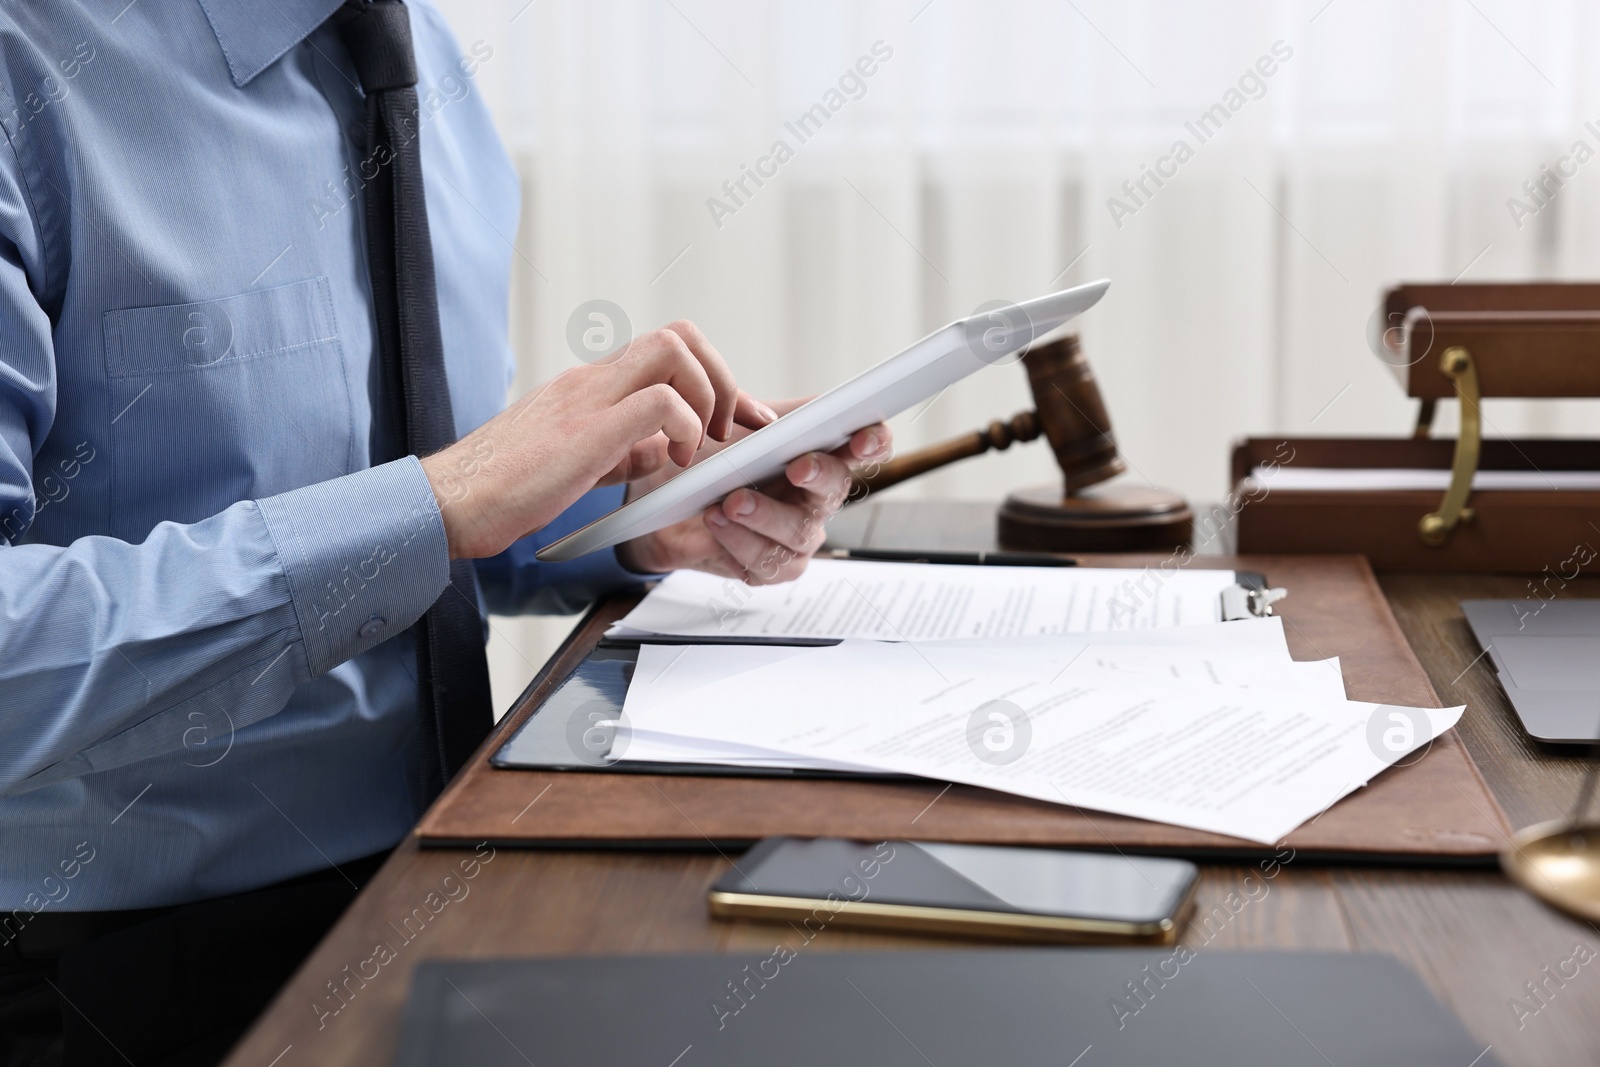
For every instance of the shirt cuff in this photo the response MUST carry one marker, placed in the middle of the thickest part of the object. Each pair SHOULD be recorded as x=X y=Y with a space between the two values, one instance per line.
x=365 y=556
x=516 y=581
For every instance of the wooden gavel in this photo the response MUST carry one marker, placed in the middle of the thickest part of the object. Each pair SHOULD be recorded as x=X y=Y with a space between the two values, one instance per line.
x=1068 y=410
x=1071 y=415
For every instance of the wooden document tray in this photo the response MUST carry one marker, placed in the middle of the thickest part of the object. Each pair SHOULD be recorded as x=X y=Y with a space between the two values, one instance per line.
x=1537 y=340
x=1519 y=531
x=1437 y=810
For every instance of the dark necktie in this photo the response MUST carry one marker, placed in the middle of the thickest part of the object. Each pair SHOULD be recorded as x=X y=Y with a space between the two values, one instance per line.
x=452 y=671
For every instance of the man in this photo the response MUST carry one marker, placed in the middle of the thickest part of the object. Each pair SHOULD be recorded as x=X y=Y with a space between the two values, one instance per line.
x=239 y=345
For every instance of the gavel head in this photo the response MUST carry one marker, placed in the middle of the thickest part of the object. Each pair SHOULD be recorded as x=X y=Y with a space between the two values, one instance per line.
x=1072 y=413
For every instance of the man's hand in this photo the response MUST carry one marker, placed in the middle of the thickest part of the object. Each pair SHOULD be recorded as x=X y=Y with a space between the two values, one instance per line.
x=656 y=402
x=760 y=537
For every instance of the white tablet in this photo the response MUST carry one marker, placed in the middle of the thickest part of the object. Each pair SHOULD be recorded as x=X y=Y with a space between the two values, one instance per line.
x=936 y=362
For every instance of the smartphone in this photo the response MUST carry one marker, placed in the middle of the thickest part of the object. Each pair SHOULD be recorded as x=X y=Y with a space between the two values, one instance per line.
x=969 y=890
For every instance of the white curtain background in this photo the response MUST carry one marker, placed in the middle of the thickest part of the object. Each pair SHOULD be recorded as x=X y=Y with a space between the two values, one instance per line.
x=976 y=164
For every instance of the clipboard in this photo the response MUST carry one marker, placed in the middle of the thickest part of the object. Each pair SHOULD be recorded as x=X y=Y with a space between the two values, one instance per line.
x=1434 y=812
x=573 y=728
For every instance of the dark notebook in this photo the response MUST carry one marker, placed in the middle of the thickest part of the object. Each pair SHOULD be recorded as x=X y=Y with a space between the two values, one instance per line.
x=797 y=1005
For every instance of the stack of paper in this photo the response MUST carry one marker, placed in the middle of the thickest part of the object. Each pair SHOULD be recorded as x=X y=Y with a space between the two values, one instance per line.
x=1213 y=727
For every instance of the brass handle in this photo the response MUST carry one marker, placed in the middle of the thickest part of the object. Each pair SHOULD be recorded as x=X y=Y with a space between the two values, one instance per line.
x=1435 y=527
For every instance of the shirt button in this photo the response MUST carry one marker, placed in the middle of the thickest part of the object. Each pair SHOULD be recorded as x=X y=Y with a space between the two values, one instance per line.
x=373 y=627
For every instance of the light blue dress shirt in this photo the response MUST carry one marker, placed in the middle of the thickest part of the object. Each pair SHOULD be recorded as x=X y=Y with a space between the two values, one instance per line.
x=212 y=549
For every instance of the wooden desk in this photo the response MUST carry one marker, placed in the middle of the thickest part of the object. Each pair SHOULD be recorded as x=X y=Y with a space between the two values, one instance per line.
x=1473 y=937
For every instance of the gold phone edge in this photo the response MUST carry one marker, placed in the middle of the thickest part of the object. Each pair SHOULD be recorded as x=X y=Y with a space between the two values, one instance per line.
x=958 y=921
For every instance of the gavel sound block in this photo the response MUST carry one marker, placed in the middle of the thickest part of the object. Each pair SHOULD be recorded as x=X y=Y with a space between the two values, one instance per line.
x=1080 y=515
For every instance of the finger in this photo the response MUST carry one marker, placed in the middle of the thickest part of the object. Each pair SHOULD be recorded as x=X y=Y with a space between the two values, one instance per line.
x=663 y=358
x=725 y=389
x=783 y=407
x=717 y=559
x=644 y=459
x=797 y=528
x=722 y=565
x=873 y=442
x=761 y=560
x=824 y=478
x=751 y=413
x=657 y=409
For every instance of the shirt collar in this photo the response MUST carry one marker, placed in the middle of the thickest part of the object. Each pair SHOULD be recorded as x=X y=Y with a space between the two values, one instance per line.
x=254 y=35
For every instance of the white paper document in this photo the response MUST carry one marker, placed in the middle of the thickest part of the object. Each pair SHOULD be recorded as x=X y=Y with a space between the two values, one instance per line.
x=666 y=673
x=1248 y=653
x=897 y=602
x=1151 y=732
x=1392 y=479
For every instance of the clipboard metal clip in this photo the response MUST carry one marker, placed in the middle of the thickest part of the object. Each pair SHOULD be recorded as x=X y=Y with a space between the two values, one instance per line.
x=1243 y=602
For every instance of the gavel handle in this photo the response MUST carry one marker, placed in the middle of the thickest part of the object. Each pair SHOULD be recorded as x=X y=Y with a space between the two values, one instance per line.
x=1023 y=426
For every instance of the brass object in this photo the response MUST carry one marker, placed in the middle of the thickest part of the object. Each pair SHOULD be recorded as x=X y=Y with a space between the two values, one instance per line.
x=1558 y=862
x=1436 y=526
x=967 y=922
x=1078 y=514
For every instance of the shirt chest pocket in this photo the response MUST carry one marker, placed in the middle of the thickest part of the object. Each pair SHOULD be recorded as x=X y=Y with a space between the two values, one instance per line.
x=226 y=400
